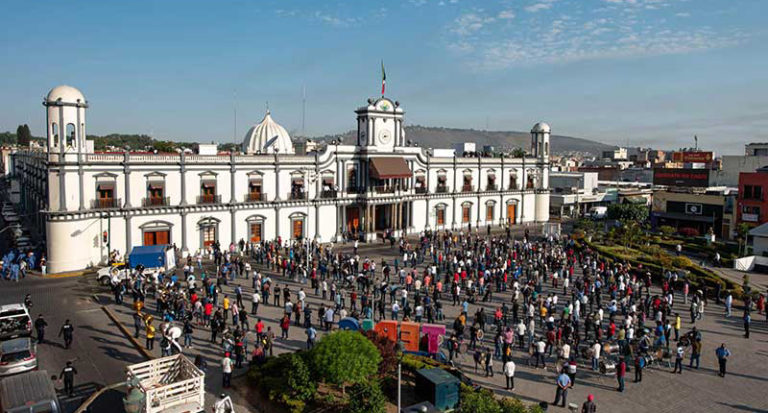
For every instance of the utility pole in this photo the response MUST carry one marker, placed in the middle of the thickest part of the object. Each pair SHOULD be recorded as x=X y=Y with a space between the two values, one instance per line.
x=303 y=110
x=234 y=122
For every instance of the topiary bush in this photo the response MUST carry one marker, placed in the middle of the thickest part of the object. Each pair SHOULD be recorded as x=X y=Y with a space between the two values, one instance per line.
x=366 y=397
x=345 y=357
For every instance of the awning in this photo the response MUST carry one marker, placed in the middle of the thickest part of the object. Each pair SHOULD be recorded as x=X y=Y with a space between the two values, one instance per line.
x=156 y=185
x=389 y=168
x=106 y=186
x=209 y=184
x=683 y=217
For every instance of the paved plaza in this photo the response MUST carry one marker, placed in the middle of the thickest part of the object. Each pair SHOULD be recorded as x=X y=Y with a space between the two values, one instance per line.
x=660 y=390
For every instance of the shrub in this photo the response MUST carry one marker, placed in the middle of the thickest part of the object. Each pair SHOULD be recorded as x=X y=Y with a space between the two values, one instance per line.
x=285 y=379
x=481 y=401
x=666 y=230
x=689 y=232
x=509 y=405
x=386 y=349
x=366 y=397
x=345 y=357
x=681 y=262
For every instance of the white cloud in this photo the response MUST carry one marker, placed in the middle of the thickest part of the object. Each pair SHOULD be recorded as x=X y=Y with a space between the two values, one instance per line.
x=334 y=20
x=538 y=7
x=469 y=23
x=683 y=14
x=506 y=15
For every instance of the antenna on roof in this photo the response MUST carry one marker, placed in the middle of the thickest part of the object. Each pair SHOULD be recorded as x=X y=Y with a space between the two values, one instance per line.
x=303 y=109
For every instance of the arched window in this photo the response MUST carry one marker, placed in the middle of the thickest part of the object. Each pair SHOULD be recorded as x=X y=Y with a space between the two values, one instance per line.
x=466 y=213
x=156 y=233
x=298 y=225
x=440 y=215
x=71 y=135
x=490 y=211
x=55 y=133
x=209 y=231
x=255 y=228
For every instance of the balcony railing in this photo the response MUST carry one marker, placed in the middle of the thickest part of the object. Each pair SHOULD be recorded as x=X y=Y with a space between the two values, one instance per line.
x=104 y=203
x=492 y=187
x=156 y=201
x=329 y=193
x=298 y=196
x=441 y=189
x=255 y=197
x=381 y=189
x=209 y=199
x=422 y=190
x=467 y=188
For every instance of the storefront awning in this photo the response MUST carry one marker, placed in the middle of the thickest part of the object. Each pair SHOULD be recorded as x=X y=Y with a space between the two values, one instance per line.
x=389 y=168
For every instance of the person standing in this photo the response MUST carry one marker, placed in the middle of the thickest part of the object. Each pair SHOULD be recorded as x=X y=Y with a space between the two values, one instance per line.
x=695 y=353
x=679 y=354
x=509 y=373
x=40 y=325
x=255 y=300
x=621 y=371
x=488 y=363
x=137 y=322
x=563 y=382
x=747 y=321
x=728 y=304
x=226 y=370
x=150 y=337
x=67 y=330
x=311 y=337
x=589 y=406
x=639 y=366
x=722 y=358
x=68 y=374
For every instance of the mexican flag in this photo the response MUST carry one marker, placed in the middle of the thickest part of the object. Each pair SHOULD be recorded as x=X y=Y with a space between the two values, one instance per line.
x=383 y=78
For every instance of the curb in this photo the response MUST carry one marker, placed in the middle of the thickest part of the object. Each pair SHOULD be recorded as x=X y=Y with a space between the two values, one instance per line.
x=144 y=352
x=64 y=274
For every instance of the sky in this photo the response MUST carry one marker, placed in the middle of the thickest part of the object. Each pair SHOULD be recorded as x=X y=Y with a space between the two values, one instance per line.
x=625 y=72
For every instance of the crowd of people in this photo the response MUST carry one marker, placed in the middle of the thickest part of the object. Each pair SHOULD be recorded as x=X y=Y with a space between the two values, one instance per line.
x=547 y=301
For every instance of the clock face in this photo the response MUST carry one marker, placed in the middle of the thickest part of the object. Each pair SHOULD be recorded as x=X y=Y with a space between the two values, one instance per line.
x=385 y=137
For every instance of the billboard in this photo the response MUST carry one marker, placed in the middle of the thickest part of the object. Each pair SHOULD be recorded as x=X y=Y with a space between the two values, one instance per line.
x=694 y=157
x=681 y=177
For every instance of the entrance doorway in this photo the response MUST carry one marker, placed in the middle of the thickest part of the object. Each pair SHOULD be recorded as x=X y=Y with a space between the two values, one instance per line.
x=511 y=213
x=256 y=231
x=208 y=232
x=161 y=237
x=353 y=219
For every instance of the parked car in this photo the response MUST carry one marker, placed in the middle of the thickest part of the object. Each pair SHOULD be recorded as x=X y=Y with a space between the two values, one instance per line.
x=17 y=356
x=113 y=274
x=14 y=321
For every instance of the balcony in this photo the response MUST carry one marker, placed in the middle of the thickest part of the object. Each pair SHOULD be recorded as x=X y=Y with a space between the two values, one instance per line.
x=209 y=199
x=298 y=196
x=105 y=203
x=154 y=201
x=441 y=189
x=255 y=197
x=381 y=189
x=492 y=187
x=422 y=190
x=467 y=188
x=329 y=194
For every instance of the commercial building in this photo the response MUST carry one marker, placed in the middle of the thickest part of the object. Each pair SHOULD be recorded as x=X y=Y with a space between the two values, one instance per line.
x=90 y=203
x=752 y=201
x=695 y=210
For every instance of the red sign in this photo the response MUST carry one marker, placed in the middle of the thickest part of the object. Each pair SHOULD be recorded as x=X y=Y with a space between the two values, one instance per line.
x=681 y=177
x=698 y=157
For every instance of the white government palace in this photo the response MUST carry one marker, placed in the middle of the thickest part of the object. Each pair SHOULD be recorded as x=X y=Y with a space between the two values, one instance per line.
x=90 y=202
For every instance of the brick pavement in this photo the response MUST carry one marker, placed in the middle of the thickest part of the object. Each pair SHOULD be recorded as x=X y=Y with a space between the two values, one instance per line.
x=660 y=390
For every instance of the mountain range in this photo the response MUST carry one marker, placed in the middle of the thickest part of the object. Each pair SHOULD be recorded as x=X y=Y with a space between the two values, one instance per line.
x=437 y=137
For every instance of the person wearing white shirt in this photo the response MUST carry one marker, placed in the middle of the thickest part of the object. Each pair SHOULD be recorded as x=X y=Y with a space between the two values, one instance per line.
x=596 y=355
x=255 y=300
x=509 y=373
x=226 y=370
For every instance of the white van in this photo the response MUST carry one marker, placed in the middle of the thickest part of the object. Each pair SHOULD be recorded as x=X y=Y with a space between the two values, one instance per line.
x=598 y=212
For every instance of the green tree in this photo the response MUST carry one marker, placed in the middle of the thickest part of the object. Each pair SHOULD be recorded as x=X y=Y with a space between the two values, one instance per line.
x=666 y=230
x=366 y=397
x=518 y=153
x=386 y=350
x=345 y=357
x=629 y=234
x=23 y=135
x=628 y=212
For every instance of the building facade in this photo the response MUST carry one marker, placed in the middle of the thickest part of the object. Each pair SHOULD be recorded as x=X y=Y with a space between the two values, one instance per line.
x=90 y=203
x=752 y=202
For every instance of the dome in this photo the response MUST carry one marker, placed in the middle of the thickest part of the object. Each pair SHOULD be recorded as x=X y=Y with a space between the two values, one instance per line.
x=540 y=127
x=66 y=94
x=267 y=137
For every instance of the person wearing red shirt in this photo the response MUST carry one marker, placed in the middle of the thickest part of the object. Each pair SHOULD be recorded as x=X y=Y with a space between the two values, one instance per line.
x=621 y=371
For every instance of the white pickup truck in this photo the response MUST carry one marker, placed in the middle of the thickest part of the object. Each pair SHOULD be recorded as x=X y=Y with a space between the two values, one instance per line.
x=169 y=384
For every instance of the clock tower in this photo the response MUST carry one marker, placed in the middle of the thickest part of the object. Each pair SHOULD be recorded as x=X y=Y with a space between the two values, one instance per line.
x=380 y=125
